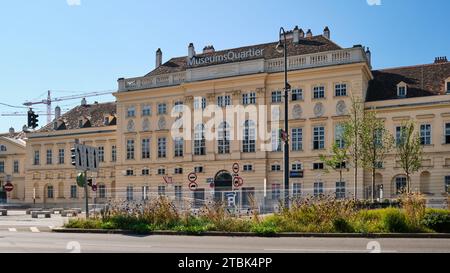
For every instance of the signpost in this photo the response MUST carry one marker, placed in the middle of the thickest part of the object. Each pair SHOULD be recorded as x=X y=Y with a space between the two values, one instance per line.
x=236 y=168
x=193 y=186
x=8 y=187
x=192 y=177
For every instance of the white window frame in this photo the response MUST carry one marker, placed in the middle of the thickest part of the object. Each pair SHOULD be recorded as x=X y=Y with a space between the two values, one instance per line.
x=162 y=147
x=162 y=108
x=178 y=147
x=249 y=98
x=146 y=148
x=277 y=96
x=318 y=189
x=130 y=149
x=249 y=139
x=402 y=90
x=146 y=110
x=426 y=134
x=131 y=112
x=319 y=92
x=199 y=140
x=340 y=90
x=297 y=94
x=223 y=138
x=297 y=139
x=318 y=137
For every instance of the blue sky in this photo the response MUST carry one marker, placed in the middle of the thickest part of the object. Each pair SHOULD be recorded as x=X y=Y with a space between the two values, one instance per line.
x=51 y=45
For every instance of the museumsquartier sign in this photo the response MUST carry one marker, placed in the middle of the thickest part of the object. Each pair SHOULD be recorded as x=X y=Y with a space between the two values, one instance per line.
x=230 y=56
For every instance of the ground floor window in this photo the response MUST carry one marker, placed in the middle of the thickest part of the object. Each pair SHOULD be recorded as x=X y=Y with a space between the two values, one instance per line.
x=400 y=184
x=178 y=193
x=297 y=190
x=447 y=184
x=199 y=198
x=161 y=190
x=248 y=197
x=145 y=191
x=50 y=192
x=73 y=191
x=318 y=189
x=130 y=193
x=276 y=191
x=102 y=191
x=340 y=190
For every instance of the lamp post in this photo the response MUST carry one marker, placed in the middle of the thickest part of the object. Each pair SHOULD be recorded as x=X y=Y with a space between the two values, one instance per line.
x=282 y=48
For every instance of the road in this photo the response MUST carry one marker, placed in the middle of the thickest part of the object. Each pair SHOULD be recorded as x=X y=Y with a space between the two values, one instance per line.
x=50 y=242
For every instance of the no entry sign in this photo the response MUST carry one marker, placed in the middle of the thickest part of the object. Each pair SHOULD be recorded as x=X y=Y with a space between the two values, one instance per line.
x=8 y=187
x=192 y=177
x=235 y=167
x=193 y=186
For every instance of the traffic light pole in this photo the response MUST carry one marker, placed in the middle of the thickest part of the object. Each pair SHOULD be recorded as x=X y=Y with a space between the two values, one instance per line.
x=86 y=193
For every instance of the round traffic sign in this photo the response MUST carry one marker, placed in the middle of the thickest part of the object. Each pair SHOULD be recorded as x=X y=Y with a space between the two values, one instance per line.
x=8 y=187
x=211 y=185
x=81 y=180
x=193 y=186
x=238 y=182
x=94 y=187
x=235 y=167
x=192 y=177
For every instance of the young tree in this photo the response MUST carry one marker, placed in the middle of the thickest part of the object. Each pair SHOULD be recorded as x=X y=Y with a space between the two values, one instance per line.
x=409 y=151
x=376 y=143
x=352 y=137
x=337 y=161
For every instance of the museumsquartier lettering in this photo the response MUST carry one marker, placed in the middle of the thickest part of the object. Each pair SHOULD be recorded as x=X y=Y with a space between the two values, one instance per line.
x=226 y=57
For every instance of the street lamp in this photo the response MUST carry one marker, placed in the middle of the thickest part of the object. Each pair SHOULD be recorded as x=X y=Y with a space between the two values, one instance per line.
x=282 y=48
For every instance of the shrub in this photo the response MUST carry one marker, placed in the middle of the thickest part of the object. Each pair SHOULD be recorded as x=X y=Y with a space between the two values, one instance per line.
x=264 y=229
x=437 y=220
x=84 y=224
x=395 y=221
x=341 y=225
x=414 y=205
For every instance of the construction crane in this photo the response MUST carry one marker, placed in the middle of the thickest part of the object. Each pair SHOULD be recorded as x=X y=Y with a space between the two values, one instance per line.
x=48 y=101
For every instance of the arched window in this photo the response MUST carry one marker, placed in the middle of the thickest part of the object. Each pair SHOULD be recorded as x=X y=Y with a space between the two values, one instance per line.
x=223 y=138
x=199 y=140
x=400 y=184
x=249 y=141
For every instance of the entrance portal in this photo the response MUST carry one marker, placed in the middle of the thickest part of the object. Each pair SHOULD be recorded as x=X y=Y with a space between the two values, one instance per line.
x=223 y=183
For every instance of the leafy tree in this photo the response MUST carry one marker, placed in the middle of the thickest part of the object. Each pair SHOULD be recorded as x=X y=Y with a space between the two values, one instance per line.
x=376 y=143
x=409 y=151
x=337 y=161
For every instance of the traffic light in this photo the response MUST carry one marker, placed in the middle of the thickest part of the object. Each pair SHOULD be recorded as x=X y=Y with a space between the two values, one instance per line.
x=32 y=119
x=73 y=157
x=90 y=182
x=282 y=135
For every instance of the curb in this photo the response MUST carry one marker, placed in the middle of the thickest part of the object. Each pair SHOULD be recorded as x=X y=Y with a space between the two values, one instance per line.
x=251 y=234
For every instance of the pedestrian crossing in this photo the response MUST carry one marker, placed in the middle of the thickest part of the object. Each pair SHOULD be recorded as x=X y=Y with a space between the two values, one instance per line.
x=17 y=229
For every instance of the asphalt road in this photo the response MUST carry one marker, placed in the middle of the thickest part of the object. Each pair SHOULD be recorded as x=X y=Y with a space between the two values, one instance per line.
x=48 y=242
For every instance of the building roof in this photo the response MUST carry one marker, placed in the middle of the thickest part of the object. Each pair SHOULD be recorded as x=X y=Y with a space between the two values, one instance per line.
x=92 y=115
x=307 y=45
x=421 y=80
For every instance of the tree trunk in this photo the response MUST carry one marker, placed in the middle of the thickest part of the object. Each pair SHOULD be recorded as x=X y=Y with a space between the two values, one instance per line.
x=373 y=185
x=408 y=184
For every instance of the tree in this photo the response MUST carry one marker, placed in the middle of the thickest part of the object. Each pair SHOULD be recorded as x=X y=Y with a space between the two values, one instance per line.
x=409 y=151
x=376 y=143
x=352 y=137
x=337 y=161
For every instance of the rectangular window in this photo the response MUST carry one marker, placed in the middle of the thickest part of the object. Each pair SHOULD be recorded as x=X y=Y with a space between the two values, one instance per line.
x=276 y=168
x=199 y=198
x=319 y=92
x=102 y=191
x=297 y=139
x=401 y=91
x=101 y=154
x=161 y=190
x=447 y=184
x=179 y=147
x=178 y=170
x=130 y=172
x=276 y=140
x=162 y=109
x=199 y=103
x=297 y=167
x=162 y=147
x=276 y=96
x=73 y=191
x=448 y=87
x=399 y=131
x=146 y=111
x=340 y=190
x=2 y=166
x=145 y=148
x=114 y=153
x=249 y=141
x=16 y=166
x=131 y=112
x=37 y=156
x=297 y=94
x=425 y=134
x=145 y=191
x=130 y=149
x=224 y=101
x=199 y=141
x=248 y=197
x=198 y=169
x=276 y=191
x=249 y=98
x=161 y=171
x=318 y=166
x=178 y=193
x=318 y=189
x=61 y=156
x=145 y=171
x=319 y=138
x=248 y=168
x=400 y=184
x=340 y=90
x=178 y=107
x=49 y=157
x=130 y=193
x=296 y=190
x=339 y=136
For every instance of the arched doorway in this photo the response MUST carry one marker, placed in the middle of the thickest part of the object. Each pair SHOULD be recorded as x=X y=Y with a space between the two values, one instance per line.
x=223 y=182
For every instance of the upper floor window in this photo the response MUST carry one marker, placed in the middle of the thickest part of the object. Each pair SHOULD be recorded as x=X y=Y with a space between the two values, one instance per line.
x=199 y=140
x=425 y=134
x=249 y=98
x=318 y=166
x=3 y=148
x=130 y=149
x=131 y=112
x=16 y=166
x=114 y=153
x=318 y=189
x=249 y=141
x=146 y=110
x=339 y=136
x=297 y=94
x=223 y=138
x=297 y=166
x=199 y=103
x=448 y=87
x=276 y=167
x=248 y=167
x=276 y=140
x=447 y=184
x=179 y=146
x=101 y=154
x=145 y=148
x=276 y=96
x=399 y=134
x=340 y=90
x=61 y=154
x=198 y=169
x=319 y=138
x=178 y=106
x=223 y=101
x=49 y=157
x=319 y=92
x=297 y=139
x=37 y=156
x=340 y=190
x=402 y=90
x=162 y=109
x=162 y=147
x=2 y=166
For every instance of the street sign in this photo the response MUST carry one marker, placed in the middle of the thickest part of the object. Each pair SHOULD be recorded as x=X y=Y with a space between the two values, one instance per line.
x=81 y=180
x=192 y=177
x=85 y=158
x=296 y=174
x=211 y=185
x=238 y=182
x=94 y=187
x=8 y=187
x=236 y=168
x=193 y=186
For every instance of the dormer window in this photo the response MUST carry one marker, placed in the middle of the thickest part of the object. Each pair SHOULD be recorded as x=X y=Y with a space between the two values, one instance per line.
x=402 y=90
x=55 y=125
x=80 y=123
x=3 y=148
x=106 y=121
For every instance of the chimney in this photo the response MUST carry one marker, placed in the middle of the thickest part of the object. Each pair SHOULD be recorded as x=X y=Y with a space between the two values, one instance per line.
x=440 y=60
x=326 y=33
x=309 y=33
x=191 y=51
x=208 y=49
x=369 y=56
x=83 y=102
x=57 y=112
x=296 y=39
x=301 y=33
x=158 y=58
x=11 y=132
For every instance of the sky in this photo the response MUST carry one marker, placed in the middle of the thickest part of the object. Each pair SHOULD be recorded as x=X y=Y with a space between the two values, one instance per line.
x=78 y=46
